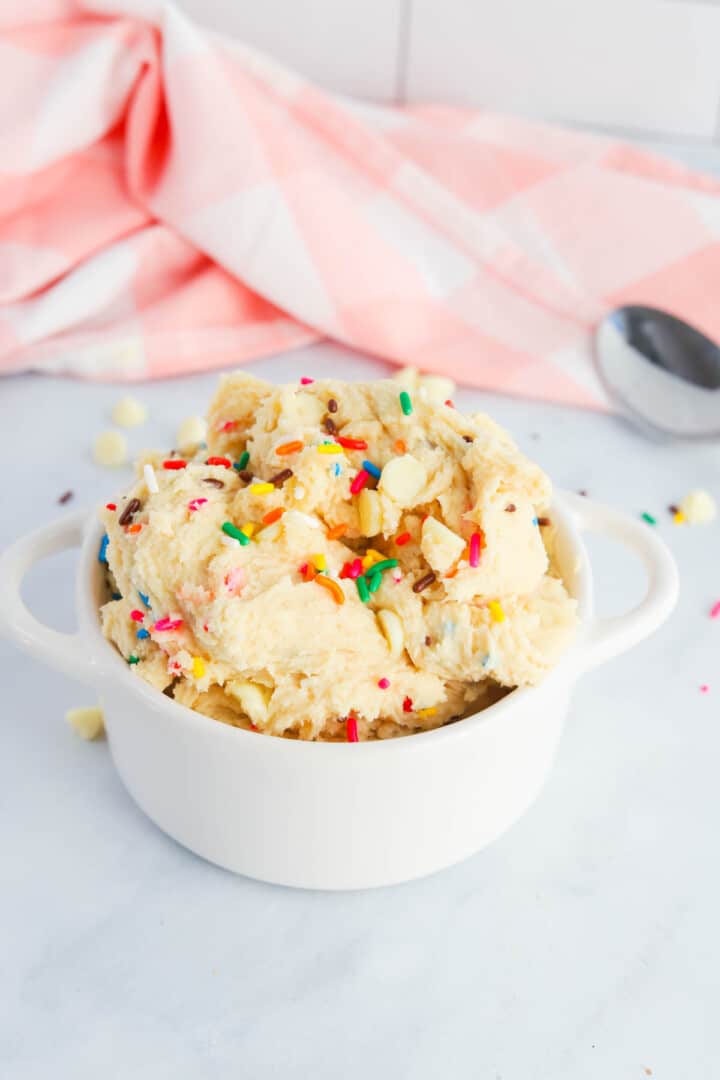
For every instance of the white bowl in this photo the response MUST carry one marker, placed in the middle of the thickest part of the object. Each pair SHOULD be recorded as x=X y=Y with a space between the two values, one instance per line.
x=329 y=815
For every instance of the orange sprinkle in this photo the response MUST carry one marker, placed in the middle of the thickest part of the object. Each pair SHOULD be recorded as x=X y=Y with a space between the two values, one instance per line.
x=134 y=528
x=273 y=515
x=452 y=573
x=289 y=448
x=400 y=447
x=332 y=587
x=336 y=532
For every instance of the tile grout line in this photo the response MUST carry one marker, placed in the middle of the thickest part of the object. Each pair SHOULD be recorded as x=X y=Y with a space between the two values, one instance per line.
x=404 y=28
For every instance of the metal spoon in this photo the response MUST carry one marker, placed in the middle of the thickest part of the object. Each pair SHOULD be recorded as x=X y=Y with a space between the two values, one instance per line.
x=663 y=372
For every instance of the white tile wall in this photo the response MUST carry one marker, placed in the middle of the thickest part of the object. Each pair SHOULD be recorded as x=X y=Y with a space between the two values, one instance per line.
x=641 y=66
x=350 y=46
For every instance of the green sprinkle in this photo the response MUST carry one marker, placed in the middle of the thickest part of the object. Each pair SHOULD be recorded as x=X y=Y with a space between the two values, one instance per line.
x=133 y=659
x=237 y=534
x=649 y=518
x=243 y=462
x=405 y=402
x=378 y=567
x=374 y=582
x=362 y=588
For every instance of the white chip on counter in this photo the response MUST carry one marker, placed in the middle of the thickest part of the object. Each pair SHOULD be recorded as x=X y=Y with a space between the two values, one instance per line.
x=191 y=432
x=698 y=508
x=110 y=448
x=129 y=412
x=88 y=722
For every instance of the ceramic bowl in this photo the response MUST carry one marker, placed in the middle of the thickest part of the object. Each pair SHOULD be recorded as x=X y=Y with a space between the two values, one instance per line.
x=330 y=815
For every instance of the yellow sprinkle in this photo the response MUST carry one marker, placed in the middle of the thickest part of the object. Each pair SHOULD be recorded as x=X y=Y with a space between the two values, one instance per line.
x=426 y=712
x=371 y=557
x=198 y=667
x=679 y=518
x=496 y=611
x=319 y=562
x=261 y=489
x=248 y=528
x=329 y=448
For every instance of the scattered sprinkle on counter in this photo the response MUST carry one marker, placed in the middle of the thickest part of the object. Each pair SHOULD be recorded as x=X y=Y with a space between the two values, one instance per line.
x=86 y=722
x=704 y=689
x=306 y=381
x=65 y=497
x=648 y=518
x=715 y=610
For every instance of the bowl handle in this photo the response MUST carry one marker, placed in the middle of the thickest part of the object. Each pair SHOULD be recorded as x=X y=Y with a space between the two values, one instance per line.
x=66 y=652
x=608 y=637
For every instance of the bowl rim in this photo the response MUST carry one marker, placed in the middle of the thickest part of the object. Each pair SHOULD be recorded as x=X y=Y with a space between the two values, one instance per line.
x=110 y=662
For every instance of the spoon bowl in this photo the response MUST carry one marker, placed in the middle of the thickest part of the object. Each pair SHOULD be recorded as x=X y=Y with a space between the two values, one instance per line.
x=663 y=373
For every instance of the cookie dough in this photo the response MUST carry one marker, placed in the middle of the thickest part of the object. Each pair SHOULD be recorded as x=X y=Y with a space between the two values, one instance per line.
x=244 y=587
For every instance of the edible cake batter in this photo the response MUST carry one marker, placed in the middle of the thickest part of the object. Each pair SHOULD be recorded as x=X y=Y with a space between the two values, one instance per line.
x=340 y=561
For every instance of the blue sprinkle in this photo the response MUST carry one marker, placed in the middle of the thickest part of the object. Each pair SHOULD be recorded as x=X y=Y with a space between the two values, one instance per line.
x=372 y=469
x=535 y=521
x=486 y=660
x=116 y=596
x=142 y=634
x=336 y=468
x=449 y=629
x=102 y=553
x=144 y=598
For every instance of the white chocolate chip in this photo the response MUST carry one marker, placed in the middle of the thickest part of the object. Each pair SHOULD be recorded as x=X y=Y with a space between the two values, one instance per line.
x=110 y=448
x=436 y=389
x=252 y=699
x=369 y=512
x=392 y=630
x=88 y=722
x=129 y=412
x=402 y=479
x=698 y=508
x=191 y=432
x=150 y=479
x=440 y=545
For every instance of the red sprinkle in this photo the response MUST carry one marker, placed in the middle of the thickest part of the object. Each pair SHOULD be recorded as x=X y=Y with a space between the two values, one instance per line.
x=226 y=462
x=383 y=683
x=175 y=463
x=704 y=688
x=111 y=506
x=450 y=404
x=345 y=572
x=352 y=731
x=195 y=504
x=359 y=482
x=402 y=539
x=137 y=616
x=230 y=425
x=355 y=569
x=166 y=623
x=351 y=444
x=407 y=705
x=475 y=549
x=305 y=381
x=715 y=611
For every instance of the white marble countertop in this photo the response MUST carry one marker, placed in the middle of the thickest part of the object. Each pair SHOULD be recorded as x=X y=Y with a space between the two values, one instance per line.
x=581 y=944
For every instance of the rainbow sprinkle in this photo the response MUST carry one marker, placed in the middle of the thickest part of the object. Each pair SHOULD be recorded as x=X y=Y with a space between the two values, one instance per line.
x=133 y=659
x=374 y=581
x=137 y=616
x=403 y=538
x=142 y=633
x=352 y=444
x=225 y=462
x=352 y=729
x=195 y=504
x=362 y=588
x=145 y=599
x=166 y=623
x=306 y=381
x=319 y=562
x=383 y=564
x=248 y=528
x=648 y=518
x=359 y=482
x=198 y=667
x=151 y=479
x=474 y=557
x=715 y=610
x=406 y=403
x=102 y=553
x=332 y=587
x=383 y=684
x=496 y=611
x=261 y=489
x=427 y=712
x=237 y=534
x=372 y=469
x=242 y=462
x=329 y=448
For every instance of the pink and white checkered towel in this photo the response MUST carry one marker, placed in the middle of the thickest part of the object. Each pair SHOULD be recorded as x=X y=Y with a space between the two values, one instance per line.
x=172 y=201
